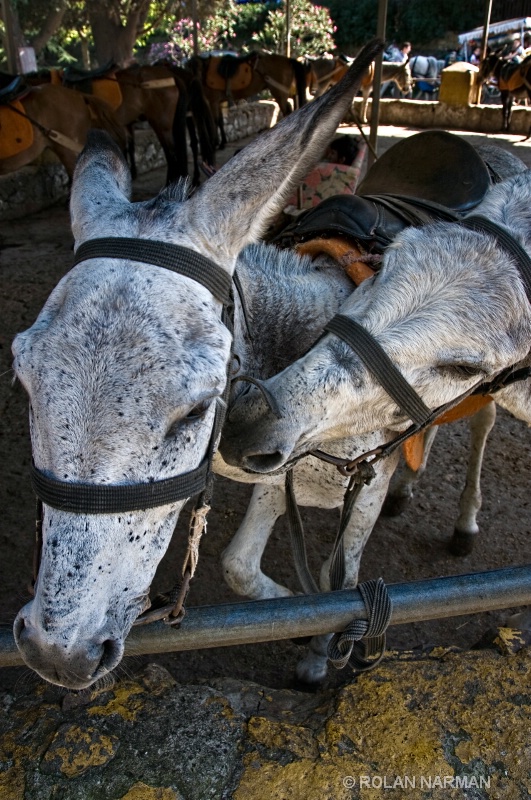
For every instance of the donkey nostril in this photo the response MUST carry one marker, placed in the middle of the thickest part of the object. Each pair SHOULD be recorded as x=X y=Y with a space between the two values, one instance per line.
x=264 y=462
x=19 y=626
x=112 y=650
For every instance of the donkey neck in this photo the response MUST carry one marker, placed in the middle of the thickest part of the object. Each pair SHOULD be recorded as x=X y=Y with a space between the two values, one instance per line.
x=288 y=299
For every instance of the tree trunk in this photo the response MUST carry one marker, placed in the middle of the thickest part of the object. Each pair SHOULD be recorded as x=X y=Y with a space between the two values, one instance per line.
x=51 y=25
x=114 y=38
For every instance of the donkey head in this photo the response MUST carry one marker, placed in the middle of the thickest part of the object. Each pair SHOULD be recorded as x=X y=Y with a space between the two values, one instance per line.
x=448 y=307
x=124 y=367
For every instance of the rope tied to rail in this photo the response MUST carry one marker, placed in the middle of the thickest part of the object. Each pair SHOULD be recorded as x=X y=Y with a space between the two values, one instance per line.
x=362 y=643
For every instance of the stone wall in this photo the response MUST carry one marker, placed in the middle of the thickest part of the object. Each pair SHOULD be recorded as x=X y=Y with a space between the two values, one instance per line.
x=45 y=182
x=428 y=114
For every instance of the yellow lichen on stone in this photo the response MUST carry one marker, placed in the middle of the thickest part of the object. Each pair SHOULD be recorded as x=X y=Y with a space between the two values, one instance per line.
x=73 y=750
x=141 y=791
x=300 y=780
x=431 y=720
x=12 y=784
x=126 y=702
x=283 y=736
x=510 y=640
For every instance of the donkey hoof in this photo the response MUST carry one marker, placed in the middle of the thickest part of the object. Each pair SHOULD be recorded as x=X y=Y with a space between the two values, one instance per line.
x=461 y=543
x=394 y=505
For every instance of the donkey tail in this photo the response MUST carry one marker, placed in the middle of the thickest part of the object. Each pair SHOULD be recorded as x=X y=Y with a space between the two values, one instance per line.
x=102 y=116
x=299 y=70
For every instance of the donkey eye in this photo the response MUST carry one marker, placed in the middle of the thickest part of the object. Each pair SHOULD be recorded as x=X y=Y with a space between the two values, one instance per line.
x=464 y=370
x=197 y=411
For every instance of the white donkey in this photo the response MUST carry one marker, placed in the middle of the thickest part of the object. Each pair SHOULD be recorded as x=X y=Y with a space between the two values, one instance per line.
x=124 y=368
x=450 y=307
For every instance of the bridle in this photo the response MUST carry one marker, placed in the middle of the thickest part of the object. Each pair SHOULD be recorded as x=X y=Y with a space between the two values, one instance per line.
x=87 y=498
x=381 y=366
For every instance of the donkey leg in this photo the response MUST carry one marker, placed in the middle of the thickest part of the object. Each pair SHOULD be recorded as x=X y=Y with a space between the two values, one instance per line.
x=364 y=102
x=402 y=490
x=241 y=559
x=313 y=667
x=466 y=527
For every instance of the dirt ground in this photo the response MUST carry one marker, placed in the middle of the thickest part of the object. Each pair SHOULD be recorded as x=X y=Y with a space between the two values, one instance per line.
x=35 y=253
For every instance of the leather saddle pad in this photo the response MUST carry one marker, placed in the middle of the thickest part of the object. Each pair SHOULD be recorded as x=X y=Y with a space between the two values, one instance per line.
x=238 y=73
x=16 y=131
x=432 y=165
x=372 y=221
x=511 y=79
x=108 y=90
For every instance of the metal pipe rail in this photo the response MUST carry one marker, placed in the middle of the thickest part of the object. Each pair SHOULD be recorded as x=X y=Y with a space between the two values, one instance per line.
x=307 y=615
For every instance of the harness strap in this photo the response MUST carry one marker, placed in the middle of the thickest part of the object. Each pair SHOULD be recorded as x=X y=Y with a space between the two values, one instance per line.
x=380 y=365
x=174 y=257
x=91 y=498
x=507 y=242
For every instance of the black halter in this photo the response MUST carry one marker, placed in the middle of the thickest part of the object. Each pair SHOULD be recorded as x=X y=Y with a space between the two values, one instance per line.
x=380 y=365
x=89 y=498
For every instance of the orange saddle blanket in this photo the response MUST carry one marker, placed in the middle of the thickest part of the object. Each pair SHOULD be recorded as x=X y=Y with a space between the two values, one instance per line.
x=108 y=90
x=16 y=131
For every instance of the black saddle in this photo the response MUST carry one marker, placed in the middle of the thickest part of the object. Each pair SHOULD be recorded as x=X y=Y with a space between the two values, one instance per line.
x=73 y=75
x=229 y=65
x=433 y=175
x=11 y=87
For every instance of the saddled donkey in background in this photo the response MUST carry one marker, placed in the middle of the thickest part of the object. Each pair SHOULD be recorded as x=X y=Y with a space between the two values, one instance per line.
x=230 y=78
x=400 y=74
x=513 y=81
x=449 y=307
x=125 y=366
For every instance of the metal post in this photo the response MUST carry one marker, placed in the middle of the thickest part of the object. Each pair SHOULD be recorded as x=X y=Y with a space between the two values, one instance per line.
x=376 y=85
x=309 y=615
x=484 y=43
x=194 y=28
x=288 y=28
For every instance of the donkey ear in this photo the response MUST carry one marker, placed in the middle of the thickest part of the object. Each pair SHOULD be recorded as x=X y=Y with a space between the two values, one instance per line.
x=101 y=186
x=235 y=206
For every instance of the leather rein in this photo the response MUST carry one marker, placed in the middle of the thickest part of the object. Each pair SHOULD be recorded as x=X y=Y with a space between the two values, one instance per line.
x=88 y=498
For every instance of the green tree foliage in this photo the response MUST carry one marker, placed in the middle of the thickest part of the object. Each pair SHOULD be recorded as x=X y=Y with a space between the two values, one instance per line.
x=417 y=21
x=311 y=29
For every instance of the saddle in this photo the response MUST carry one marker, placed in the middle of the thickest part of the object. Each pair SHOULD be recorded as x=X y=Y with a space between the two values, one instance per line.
x=98 y=82
x=432 y=175
x=73 y=75
x=230 y=73
x=12 y=87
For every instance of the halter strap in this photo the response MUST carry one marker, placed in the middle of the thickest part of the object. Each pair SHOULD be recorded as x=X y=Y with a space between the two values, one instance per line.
x=174 y=257
x=380 y=365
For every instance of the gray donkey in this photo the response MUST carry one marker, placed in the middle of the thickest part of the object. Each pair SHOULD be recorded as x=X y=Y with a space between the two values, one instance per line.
x=125 y=367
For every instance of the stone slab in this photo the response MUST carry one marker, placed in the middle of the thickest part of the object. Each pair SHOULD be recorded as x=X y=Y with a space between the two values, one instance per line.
x=438 y=725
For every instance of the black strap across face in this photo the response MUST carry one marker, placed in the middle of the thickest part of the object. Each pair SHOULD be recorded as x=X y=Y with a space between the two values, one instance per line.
x=174 y=257
x=84 y=498
x=386 y=373
x=91 y=498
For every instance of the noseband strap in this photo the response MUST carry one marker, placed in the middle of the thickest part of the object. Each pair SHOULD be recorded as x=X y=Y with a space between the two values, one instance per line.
x=92 y=498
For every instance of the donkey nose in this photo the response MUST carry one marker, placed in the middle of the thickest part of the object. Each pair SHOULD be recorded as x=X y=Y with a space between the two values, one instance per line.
x=72 y=664
x=264 y=462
